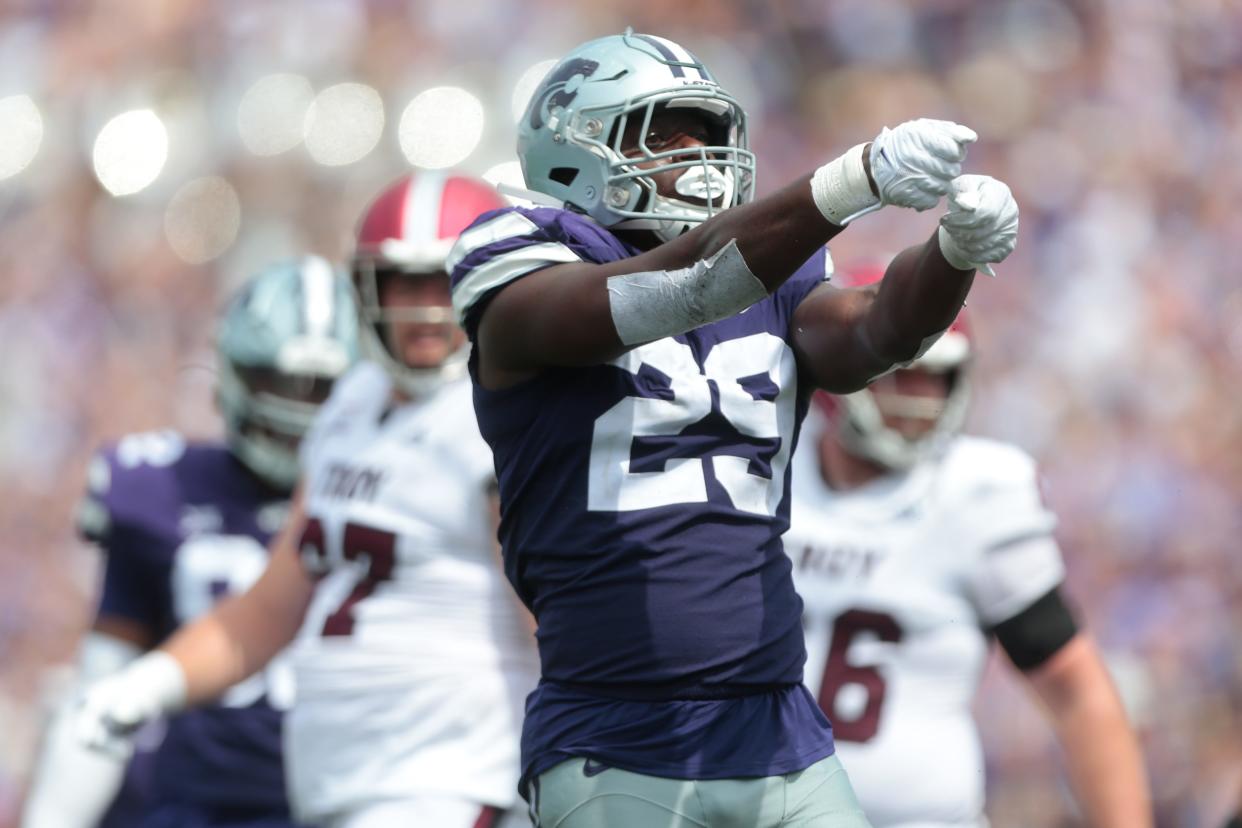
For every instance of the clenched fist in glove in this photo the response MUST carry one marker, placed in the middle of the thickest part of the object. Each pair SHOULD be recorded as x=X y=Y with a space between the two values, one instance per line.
x=114 y=707
x=980 y=227
x=912 y=165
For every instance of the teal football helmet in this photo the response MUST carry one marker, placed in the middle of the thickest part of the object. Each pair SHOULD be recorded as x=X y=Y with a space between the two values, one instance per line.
x=570 y=137
x=285 y=337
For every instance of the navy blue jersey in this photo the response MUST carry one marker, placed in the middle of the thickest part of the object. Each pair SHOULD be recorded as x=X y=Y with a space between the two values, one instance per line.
x=183 y=525
x=642 y=503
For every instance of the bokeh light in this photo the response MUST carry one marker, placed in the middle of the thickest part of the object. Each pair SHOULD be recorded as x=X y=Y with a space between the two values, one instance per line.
x=344 y=123
x=21 y=133
x=441 y=127
x=130 y=151
x=202 y=219
x=526 y=85
x=271 y=117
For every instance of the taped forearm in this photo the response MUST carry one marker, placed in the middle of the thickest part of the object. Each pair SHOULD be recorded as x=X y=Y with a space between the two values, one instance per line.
x=656 y=304
x=72 y=785
x=841 y=189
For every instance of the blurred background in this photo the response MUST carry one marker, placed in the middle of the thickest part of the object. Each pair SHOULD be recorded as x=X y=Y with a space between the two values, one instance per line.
x=154 y=152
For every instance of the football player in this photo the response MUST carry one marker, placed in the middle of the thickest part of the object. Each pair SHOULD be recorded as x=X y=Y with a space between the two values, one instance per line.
x=414 y=657
x=645 y=350
x=913 y=547
x=183 y=524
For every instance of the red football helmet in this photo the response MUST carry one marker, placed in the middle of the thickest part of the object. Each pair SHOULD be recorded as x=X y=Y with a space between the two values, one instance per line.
x=409 y=230
x=859 y=417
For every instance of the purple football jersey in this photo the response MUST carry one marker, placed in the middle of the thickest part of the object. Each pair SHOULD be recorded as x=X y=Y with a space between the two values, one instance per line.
x=642 y=504
x=183 y=525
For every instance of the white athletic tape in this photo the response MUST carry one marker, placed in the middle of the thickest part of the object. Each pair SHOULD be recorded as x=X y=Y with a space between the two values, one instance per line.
x=841 y=189
x=654 y=304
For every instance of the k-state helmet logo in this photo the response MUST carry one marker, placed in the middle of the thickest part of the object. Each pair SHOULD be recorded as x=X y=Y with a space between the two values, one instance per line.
x=560 y=88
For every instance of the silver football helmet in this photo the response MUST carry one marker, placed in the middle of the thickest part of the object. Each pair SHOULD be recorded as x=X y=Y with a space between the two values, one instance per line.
x=570 y=137
x=285 y=337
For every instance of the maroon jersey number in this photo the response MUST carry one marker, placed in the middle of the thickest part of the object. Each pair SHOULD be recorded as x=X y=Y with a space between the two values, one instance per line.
x=359 y=543
x=838 y=672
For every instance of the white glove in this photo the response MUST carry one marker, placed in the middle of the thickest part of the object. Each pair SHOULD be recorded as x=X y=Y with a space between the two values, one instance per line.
x=914 y=163
x=114 y=708
x=981 y=224
x=912 y=166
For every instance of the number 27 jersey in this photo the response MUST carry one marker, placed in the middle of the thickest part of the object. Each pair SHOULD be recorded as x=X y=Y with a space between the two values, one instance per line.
x=413 y=661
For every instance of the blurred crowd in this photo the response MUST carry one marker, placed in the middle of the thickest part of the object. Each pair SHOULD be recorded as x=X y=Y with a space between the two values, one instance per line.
x=1111 y=342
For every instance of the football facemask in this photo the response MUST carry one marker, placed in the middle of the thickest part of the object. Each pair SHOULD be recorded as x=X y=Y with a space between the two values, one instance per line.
x=571 y=140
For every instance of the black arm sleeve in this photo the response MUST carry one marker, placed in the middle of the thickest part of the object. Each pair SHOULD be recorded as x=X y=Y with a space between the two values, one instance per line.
x=1034 y=635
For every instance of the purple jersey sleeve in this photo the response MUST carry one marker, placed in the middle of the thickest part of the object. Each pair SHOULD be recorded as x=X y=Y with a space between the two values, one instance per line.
x=130 y=511
x=805 y=279
x=132 y=494
x=505 y=245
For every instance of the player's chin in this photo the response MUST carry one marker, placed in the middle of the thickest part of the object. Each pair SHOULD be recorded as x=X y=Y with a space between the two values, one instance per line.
x=425 y=353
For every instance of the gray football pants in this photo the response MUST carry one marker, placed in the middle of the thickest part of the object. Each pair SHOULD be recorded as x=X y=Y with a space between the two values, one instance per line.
x=818 y=797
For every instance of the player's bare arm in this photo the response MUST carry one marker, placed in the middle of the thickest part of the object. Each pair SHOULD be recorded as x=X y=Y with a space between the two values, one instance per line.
x=845 y=339
x=242 y=634
x=580 y=313
x=232 y=642
x=1102 y=754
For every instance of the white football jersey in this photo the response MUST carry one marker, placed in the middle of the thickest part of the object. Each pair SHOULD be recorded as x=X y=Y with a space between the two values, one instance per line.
x=900 y=578
x=414 y=662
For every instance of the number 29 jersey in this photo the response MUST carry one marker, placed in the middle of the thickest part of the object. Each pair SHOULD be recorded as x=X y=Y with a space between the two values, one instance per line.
x=413 y=661
x=642 y=504
x=900 y=579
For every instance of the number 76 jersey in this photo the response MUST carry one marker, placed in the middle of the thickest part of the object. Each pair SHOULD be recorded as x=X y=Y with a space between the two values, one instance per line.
x=900 y=579
x=413 y=662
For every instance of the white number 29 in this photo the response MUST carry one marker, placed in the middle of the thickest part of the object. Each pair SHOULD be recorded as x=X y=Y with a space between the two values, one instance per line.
x=614 y=488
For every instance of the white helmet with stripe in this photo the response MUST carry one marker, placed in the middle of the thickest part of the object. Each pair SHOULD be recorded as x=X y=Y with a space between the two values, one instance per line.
x=570 y=138
x=285 y=336
x=407 y=232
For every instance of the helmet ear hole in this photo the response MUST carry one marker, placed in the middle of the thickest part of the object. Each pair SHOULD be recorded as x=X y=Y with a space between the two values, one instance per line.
x=563 y=175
